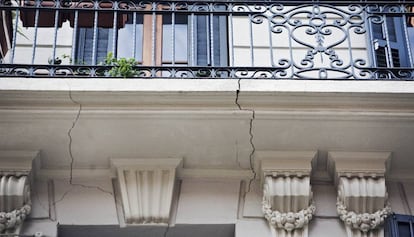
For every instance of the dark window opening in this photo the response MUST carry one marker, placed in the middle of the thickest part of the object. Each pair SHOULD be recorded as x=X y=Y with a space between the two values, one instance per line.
x=399 y=226
x=178 y=230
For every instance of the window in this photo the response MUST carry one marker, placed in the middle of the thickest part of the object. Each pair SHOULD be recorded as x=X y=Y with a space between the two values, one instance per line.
x=199 y=40
x=399 y=226
x=389 y=42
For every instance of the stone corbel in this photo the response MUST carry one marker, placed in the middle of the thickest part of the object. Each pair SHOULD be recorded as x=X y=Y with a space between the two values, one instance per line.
x=15 y=203
x=362 y=201
x=146 y=187
x=287 y=197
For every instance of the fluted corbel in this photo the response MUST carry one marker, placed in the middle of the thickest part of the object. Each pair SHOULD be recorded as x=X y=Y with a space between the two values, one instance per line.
x=15 y=203
x=287 y=196
x=146 y=188
x=362 y=201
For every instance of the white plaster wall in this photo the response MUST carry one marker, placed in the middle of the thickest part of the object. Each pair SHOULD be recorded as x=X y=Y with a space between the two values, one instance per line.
x=85 y=202
x=208 y=202
x=44 y=44
x=408 y=191
x=200 y=201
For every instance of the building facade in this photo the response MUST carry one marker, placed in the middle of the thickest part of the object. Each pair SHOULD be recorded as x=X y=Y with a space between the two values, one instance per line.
x=217 y=118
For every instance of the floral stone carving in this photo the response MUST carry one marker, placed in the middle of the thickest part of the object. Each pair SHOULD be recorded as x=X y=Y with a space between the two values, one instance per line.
x=365 y=221
x=18 y=206
x=362 y=202
x=288 y=221
x=11 y=220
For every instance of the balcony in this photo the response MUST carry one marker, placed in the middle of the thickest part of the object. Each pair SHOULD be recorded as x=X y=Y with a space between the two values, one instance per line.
x=333 y=40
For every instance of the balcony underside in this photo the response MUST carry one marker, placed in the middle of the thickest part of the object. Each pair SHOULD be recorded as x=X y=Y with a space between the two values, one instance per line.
x=206 y=122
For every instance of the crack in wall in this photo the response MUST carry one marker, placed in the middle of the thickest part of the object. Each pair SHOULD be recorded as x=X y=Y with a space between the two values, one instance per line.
x=70 y=135
x=40 y=204
x=166 y=230
x=253 y=147
x=63 y=197
x=72 y=158
x=36 y=195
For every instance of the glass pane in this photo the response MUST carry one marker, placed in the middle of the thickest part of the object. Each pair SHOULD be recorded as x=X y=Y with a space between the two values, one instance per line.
x=126 y=42
x=392 y=34
x=180 y=40
x=404 y=229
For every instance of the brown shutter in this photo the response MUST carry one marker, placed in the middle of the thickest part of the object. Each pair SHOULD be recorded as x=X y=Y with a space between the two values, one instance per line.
x=6 y=32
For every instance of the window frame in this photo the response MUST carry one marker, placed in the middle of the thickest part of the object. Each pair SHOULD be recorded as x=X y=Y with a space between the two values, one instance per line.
x=400 y=45
x=153 y=57
x=392 y=225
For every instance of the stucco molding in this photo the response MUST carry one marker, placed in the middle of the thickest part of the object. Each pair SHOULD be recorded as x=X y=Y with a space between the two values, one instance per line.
x=286 y=179
x=362 y=201
x=365 y=221
x=146 y=188
x=15 y=202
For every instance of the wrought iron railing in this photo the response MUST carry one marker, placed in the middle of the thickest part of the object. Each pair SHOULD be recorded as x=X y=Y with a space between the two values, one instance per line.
x=369 y=40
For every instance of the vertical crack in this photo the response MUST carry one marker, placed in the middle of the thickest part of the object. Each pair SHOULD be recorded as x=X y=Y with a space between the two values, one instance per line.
x=253 y=147
x=72 y=159
x=166 y=230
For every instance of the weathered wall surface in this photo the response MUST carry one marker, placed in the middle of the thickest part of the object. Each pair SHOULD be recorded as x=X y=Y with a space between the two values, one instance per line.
x=200 y=201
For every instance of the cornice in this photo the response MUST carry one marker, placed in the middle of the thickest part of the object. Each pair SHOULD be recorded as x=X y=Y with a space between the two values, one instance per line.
x=375 y=96
x=358 y=164
x=16 y=162
x=284 y=163
x=257 y=85
x=31 y=115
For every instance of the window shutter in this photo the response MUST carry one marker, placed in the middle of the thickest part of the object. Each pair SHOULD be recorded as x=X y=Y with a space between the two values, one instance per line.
x=399 y=226
x=395 y=54
x=203 y=37
x=202 y=41
x=85 y=45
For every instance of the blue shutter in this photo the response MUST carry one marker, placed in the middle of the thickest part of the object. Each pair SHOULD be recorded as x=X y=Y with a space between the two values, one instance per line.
x=204 y=35
x=395 y=54
x=85 y=45
x=399 y=226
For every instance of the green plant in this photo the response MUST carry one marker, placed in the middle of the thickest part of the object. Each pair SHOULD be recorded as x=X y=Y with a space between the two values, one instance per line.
x=121 y=67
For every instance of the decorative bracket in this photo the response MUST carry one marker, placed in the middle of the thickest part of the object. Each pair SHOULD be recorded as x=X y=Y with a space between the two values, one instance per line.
x=146 y=187
x=287 y=196
x=362 y=195
x=15 y=203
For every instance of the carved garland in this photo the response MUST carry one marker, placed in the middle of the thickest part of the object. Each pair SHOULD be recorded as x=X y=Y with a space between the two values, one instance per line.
x=10 y=220
x=288 y=221
x=364 y=221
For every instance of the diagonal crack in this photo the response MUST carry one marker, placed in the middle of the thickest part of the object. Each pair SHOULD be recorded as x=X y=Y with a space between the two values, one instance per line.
x=253 y=147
